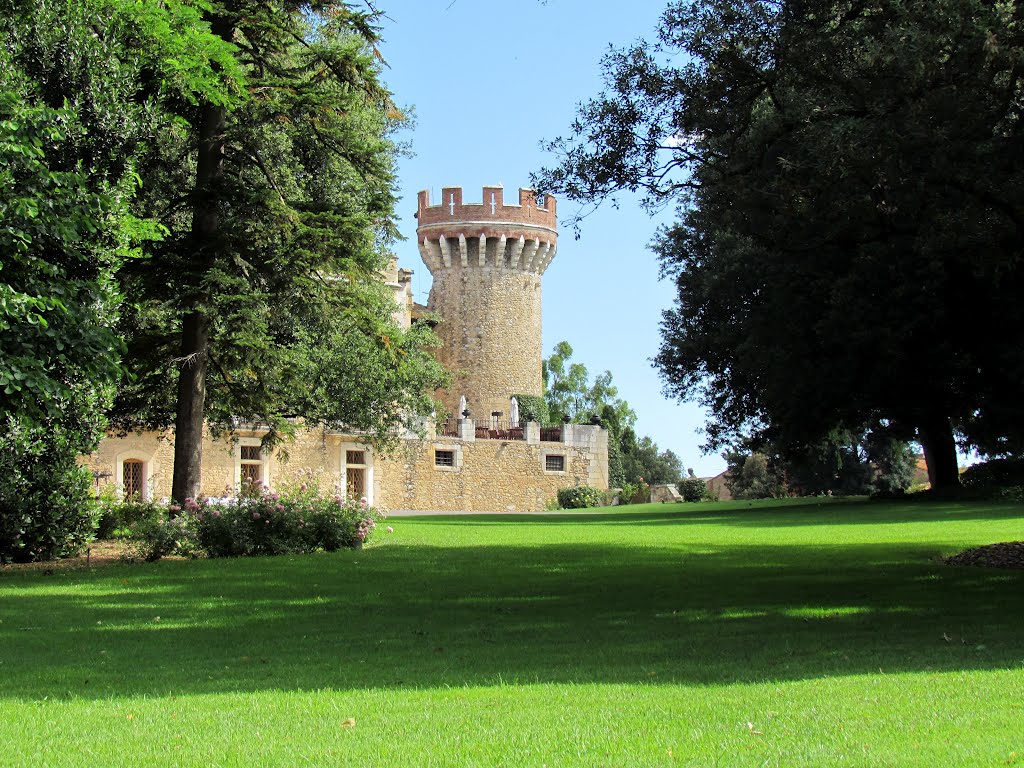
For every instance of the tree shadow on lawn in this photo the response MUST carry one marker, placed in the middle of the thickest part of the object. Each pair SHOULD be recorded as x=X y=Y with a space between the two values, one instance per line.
x=785 y=513
x=417 y=617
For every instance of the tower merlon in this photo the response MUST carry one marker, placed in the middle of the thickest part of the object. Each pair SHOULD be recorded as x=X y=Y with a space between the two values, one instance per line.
x=531 y=209
x=457 y=234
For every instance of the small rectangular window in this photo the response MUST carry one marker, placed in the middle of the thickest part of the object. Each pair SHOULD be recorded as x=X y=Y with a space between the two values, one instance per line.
x=251 y=453
x=444 y=458
x=553 y=463
x=251 y=465
x=251 y=474
x=355 y=457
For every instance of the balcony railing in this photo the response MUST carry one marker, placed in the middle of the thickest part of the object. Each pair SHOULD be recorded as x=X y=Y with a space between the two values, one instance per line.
x=498 y=429
x=551 y=434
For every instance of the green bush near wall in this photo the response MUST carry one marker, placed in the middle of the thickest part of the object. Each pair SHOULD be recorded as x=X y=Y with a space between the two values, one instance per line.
x=579 y=497
x=533 y=408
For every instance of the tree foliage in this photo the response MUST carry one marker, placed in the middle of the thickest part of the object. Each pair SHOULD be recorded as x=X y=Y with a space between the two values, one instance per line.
x=70 y=126
x=570 y=394
x=848 y=177
x=274 y=183
x=752 y=476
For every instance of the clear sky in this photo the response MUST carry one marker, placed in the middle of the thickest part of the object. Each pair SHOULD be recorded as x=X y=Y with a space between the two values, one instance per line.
x=488 y=80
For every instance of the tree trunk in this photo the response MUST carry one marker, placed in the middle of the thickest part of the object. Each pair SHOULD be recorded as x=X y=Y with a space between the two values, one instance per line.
x=936 y=436
x=188 y=421
x=195 y=331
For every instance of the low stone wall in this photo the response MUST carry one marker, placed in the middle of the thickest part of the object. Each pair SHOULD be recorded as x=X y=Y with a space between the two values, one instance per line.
x=665 y=493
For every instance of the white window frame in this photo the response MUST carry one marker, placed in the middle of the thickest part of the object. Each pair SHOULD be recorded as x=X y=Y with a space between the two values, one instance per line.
x=367 y=465
x=264 y=460
x=147 y=472
x=455 y=448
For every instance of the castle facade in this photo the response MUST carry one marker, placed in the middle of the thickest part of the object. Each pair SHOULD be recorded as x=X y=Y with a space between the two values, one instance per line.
x=487 y=260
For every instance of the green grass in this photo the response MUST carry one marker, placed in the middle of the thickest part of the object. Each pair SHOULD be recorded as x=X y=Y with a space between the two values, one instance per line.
x=782 y=634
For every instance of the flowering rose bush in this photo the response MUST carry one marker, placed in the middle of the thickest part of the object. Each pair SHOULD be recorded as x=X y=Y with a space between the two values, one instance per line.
x=299 y=518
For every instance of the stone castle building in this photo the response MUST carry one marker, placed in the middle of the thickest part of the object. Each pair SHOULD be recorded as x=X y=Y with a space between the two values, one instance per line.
x=487 y=260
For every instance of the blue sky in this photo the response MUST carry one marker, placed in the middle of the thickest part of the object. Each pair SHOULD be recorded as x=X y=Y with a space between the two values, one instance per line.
x=488 y=81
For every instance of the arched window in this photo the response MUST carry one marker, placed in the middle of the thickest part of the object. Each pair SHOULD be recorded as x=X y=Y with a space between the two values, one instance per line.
x=133 y=479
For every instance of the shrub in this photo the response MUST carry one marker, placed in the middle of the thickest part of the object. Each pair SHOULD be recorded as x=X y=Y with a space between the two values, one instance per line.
x=579 y=497
x=161 y=535
x=994 y=473
x=693 y=489
x=47 y=508
x=118 y=519
x=533 y=408
x=635 y=493
x=299 y=519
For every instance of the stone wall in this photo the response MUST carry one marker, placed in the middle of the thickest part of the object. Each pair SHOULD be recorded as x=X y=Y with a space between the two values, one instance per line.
x=487 y=475
x=490 y=330
x=487 y=260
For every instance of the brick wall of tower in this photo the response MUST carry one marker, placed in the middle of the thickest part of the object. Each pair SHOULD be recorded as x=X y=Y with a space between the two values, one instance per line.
x=487 y=260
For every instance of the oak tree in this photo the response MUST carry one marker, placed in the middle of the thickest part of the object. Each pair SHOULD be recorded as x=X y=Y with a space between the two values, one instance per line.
x=848 y=179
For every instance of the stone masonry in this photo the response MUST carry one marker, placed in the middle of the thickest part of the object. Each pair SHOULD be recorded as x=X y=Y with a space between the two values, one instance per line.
x=487 y=260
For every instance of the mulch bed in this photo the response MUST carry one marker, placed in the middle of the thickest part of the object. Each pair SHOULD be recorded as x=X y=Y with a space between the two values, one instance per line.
x=1009 y=554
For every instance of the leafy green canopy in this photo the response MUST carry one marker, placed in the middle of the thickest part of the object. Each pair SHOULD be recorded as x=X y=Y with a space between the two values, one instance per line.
x=848 y=177
x=66 y=180
x=69 y=129
x=274 y=185
x=571 y=395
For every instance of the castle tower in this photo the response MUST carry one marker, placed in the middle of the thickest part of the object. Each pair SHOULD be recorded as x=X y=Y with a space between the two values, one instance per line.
x=487 y=260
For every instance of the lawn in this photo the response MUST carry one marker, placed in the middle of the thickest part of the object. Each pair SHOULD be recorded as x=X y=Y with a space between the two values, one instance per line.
x=779 y=634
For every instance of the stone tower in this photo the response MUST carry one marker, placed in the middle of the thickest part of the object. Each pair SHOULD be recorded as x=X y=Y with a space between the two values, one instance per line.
x=487 y=260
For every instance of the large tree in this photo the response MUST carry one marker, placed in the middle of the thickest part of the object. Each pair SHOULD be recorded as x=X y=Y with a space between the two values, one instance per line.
x=849 y=179
x=70 y=126
x=275 y=187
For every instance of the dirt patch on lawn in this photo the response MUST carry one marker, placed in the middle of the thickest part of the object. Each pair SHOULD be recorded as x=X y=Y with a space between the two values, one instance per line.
x=1009 y=554
x=99 y=553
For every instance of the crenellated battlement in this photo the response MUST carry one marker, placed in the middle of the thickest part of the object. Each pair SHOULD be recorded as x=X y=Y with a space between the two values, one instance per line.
x=487 y=260
x=451 y=209
x=521 y=237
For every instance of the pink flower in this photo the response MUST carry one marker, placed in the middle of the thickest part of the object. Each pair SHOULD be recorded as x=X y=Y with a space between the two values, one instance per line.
x=390 y=529
x=279 y=508
x=175 y=508
x=363 y=502
x=215 y=513
x=255 y=515
x=275 y=496
x=302 y=487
